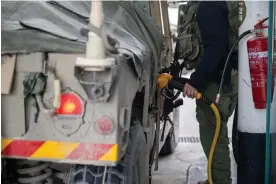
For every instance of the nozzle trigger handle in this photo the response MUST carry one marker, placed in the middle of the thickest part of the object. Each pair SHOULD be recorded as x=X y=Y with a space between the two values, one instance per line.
x=178 y=103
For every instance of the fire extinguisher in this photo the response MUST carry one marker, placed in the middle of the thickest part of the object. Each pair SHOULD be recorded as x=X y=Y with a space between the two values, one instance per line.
x=257 y=48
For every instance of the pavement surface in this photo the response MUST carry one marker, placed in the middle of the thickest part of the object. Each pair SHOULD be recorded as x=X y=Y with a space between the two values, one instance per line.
x=198 y=171
x=188 y=156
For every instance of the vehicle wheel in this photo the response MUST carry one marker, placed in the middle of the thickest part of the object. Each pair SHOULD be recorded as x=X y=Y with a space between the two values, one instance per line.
x=170 y=144
x=132 y=169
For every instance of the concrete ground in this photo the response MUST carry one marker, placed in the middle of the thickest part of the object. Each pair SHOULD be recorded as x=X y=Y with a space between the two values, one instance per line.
x=173 y=169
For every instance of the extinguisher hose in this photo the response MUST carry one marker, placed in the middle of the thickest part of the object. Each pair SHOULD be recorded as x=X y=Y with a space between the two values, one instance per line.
x=227 y=60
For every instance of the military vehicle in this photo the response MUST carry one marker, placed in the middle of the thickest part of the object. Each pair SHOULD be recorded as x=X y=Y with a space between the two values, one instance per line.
x=80 y=102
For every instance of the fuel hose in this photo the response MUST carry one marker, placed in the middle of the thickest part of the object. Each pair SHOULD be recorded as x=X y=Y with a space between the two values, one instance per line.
x=166 y=79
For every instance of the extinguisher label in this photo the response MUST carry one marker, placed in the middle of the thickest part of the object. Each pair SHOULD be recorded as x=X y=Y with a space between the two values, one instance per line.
x=258 y=62
x=258 y=80
x=257 y=54
x=258 y=68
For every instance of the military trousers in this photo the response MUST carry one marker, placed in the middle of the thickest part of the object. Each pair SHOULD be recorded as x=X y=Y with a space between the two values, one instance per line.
x=221 y=166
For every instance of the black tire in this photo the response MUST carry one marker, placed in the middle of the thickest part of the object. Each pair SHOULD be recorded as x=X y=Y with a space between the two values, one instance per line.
x=170 y=144
x=132 y=169
x=235 y=135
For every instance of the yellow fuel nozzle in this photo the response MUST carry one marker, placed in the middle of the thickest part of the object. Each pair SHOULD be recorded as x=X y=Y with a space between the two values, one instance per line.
x=163 y=80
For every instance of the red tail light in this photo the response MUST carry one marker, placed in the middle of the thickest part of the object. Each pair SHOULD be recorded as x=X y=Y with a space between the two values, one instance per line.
x=104 y=125
x=70 y=104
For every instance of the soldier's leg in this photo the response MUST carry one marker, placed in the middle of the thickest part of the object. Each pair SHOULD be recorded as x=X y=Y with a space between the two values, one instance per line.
x=221 y=167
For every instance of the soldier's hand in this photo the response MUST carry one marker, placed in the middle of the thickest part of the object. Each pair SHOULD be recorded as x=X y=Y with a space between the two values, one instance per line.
x=189 y=91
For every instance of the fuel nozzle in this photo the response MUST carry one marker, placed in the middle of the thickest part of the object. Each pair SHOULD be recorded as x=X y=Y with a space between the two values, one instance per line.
x=166 y=79
x=163 y=80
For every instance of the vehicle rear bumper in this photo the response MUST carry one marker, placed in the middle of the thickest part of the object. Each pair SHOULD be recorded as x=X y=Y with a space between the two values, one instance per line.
x=60 y=152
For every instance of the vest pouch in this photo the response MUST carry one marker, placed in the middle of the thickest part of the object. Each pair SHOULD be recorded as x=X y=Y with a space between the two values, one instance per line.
x=189 y=49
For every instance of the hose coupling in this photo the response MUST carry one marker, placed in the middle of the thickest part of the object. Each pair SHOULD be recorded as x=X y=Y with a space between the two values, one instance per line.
x=217 y=98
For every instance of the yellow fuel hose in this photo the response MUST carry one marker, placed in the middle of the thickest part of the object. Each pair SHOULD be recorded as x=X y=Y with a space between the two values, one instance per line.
x=162 y=81
x=216 y=135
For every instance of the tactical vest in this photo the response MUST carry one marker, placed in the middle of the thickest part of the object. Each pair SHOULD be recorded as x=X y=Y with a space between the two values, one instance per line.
x=190 y=43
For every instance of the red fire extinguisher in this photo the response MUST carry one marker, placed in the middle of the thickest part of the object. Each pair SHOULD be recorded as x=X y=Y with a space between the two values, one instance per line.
x=257 y=48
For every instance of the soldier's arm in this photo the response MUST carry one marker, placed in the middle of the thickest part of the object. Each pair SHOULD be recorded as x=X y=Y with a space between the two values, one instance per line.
x=212 y=20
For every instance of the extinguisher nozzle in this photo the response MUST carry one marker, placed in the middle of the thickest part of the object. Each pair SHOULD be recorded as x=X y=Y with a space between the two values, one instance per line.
x=217 y=98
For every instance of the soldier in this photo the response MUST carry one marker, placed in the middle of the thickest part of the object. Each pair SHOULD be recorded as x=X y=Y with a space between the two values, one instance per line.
x=206 y=38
